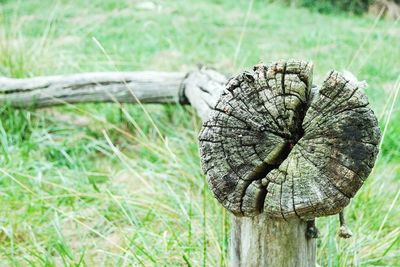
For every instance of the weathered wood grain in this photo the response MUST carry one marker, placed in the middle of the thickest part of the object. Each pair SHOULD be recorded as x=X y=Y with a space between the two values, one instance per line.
x=124 y=87
x=262 y=241
x=275 y=144
x=202 y=89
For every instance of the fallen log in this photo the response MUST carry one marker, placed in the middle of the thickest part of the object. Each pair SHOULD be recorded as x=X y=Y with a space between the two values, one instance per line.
x=124 y=87
x=200 y=88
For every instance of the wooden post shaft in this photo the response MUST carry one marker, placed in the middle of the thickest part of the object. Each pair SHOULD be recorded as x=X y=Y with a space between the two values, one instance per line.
x=262 y=241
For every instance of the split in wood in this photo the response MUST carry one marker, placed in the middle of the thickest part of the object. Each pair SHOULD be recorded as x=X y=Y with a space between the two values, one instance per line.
x=276 y=144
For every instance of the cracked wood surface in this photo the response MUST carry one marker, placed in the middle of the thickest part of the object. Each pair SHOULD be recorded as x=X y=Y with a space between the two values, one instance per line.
x=275 y=144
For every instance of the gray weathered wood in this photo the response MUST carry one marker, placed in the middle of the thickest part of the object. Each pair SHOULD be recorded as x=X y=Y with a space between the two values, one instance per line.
x=202 y=90
x=124 y=87
x=281 y=151
x=274 y=145
x=262 y=241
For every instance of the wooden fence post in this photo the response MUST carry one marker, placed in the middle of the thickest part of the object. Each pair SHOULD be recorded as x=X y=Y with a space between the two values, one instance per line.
x=277 y=151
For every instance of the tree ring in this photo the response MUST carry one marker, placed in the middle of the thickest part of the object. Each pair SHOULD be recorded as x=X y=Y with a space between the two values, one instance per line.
x=275 y=143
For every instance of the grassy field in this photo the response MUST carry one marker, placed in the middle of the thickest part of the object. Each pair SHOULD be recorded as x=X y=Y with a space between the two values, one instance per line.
x=106 y=185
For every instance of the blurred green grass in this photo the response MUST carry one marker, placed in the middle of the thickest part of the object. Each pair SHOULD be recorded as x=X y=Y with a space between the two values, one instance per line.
x=96 y=184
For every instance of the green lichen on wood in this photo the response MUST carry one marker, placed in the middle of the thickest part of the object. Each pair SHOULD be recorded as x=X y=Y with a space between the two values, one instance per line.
x=275 y=144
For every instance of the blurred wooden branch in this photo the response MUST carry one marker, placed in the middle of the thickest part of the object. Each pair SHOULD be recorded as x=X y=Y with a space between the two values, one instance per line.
x=126 y=87
x=200 y=88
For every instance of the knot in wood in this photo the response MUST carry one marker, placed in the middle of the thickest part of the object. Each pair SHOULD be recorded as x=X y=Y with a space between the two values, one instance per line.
x=276 y=144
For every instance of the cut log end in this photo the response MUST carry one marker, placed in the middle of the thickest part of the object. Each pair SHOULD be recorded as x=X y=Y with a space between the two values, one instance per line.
x=275 y=144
